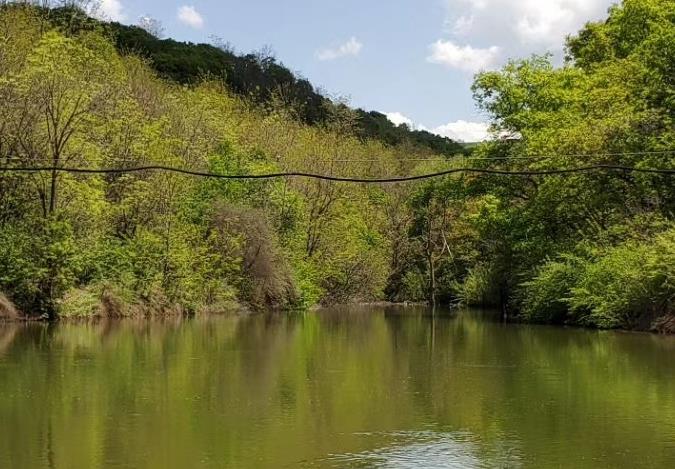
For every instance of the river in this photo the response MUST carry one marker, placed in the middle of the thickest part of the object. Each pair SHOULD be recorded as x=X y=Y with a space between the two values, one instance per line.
x=344 y=387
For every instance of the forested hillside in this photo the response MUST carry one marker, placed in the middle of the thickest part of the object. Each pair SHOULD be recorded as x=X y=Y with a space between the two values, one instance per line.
x=75 y=245
x=259 y=77
x=593 y=248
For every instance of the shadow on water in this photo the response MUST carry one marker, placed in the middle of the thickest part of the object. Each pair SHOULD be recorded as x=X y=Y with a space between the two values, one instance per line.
x=372 y=386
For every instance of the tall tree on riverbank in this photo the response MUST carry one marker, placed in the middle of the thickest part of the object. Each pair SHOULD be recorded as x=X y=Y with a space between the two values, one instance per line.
x=618 y=82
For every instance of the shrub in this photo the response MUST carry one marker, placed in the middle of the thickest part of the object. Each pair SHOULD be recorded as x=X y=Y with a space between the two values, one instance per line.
x=37 y=264
x=479 y=287
x=80 y=303
x=267 y=280
x=545 y=297
x=629 y=283
x=415 y=286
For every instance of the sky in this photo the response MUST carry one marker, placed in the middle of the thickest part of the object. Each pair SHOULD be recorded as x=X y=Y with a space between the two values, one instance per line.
x=413 y=60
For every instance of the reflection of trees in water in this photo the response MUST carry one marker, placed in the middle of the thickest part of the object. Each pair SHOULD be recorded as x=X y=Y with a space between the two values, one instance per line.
x=7 y=335
x=493 y=378
x=307 y=385
x=22 y=334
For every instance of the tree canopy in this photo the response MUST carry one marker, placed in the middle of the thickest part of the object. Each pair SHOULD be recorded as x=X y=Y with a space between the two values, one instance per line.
x=257 y=76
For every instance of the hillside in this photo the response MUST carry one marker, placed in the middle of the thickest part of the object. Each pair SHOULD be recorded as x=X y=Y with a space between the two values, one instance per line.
x=258 y=77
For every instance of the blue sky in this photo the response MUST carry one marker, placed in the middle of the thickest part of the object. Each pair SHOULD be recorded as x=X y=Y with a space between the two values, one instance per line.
x=411 y=59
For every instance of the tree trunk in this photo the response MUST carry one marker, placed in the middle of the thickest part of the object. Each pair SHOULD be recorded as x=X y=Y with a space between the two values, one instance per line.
x=52 y=191
x=432 y=280
x=430 y=259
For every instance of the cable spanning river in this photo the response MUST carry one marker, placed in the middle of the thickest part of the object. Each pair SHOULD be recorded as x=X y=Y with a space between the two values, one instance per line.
x=345 y=387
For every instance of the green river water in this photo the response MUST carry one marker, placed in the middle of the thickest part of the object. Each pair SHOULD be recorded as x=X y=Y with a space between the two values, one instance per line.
x=347 y=387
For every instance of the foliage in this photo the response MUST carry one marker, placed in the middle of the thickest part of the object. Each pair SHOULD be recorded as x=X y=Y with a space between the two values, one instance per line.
x=547 y=295
x=479 y=287
x=622 y=286
x=259 y=77
x=584 y=249
x=629 y=283
x=122 y=244
x=593 y=249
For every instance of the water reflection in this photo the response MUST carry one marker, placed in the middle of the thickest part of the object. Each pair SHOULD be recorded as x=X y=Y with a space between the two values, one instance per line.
x=355 y=387
x=431 y=450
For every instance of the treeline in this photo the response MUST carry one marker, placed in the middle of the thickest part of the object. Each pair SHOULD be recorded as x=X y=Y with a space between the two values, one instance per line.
x=594 y=249
x=76 y=245
x=259 y=77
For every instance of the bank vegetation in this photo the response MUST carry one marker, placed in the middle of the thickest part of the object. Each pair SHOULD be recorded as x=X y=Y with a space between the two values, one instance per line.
x=594 y=249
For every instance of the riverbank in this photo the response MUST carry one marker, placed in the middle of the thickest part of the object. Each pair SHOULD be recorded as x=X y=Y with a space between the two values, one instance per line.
x=81 y=307
x=111 y=307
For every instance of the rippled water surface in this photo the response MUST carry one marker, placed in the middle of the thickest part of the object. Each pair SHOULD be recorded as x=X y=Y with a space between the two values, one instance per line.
x=343 y=388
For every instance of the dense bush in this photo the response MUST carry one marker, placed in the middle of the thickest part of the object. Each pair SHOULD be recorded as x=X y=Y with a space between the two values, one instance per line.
x=547 y=295
x=479 y=287
x=627 y=285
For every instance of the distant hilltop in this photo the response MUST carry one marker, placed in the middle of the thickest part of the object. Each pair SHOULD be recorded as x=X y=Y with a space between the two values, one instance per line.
x=260 y=77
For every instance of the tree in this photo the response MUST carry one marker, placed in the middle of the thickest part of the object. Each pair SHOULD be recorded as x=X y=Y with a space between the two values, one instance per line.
x=151 y=25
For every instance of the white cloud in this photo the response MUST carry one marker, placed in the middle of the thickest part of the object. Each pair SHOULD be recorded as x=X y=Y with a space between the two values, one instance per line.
x=151 y=25
x=350 y=48
x=466 y=58
x=519 y=27
x=463 y=25
x=549 y=22
x=477 y=4
x=190 y=16
x=464 y=131
x=397 y=119
x=110 y=10
x=543 y=23
x=461 y=131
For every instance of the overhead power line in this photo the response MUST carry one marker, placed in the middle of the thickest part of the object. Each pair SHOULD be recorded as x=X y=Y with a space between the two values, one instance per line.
x=189 y=172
